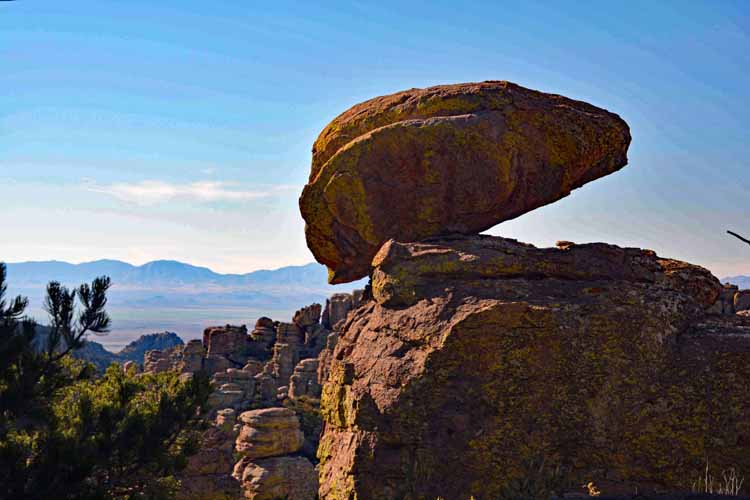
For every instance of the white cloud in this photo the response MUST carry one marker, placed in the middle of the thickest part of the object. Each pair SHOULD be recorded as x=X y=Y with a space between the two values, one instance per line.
x=152 y=192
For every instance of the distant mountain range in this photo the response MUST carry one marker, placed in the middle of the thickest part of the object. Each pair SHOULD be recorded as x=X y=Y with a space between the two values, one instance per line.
x=174 y=296
x=741 y=281
x=95 y=353
x=164 y=274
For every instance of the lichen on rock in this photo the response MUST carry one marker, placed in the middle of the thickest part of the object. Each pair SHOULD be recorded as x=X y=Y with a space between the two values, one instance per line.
x=448 y=159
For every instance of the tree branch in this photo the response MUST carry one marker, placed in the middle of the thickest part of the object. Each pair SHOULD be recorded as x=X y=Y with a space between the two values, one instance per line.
x=739 y=237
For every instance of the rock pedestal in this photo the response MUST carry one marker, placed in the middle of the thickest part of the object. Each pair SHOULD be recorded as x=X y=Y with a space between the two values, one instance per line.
x=479 y=356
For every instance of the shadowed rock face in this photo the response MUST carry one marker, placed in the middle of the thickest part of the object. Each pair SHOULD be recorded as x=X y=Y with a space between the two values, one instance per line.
x=448 y=159
x=479 y=355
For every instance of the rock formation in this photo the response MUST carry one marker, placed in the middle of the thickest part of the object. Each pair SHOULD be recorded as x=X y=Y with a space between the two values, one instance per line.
x=480 y=354
x=724 y=304
x=472 y=357
x=304 y=381
x=268 y=469
x=741 y=300
x=448 y=159
x=206 y=475
x=156 y=361
x=135 y=350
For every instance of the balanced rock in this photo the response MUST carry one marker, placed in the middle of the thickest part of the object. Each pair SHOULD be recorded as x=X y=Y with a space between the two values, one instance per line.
x=481 y=356
x=448 y=159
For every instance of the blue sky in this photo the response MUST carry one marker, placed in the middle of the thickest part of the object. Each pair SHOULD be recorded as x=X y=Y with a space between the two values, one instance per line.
x=143 y=130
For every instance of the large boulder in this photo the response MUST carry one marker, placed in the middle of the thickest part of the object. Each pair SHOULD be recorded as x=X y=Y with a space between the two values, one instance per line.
x=448 y=159
x=479 y=357
x=269 y=432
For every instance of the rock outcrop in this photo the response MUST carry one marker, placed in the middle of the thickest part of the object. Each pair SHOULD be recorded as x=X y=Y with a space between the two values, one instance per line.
x=479 y=355
x=304 y=380
x=448 y=159
x=724 y=304
x=742 y=301
x=135 y=350
x=268 y=469
x=268 y=433
x=207 y=474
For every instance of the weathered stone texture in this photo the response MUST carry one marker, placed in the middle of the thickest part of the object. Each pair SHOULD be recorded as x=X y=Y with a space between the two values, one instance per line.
x=304 y=380
x=269 y=432
x=288 y=478
x=448 y=159
x=480 y=354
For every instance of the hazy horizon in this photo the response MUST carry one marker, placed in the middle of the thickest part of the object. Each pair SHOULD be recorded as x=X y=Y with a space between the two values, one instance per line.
x=125 y=136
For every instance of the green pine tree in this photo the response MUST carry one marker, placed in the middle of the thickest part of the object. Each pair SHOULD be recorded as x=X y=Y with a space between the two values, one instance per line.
x=65 y=434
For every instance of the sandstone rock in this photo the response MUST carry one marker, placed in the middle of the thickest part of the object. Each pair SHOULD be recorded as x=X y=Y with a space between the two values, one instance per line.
x=208 y=472
x=285 y=358
x=289 y=333
x=264 y=333
x=267 y=386
x=357 y=298
x=742 y=300
x=192 y=356
x=226 y=419
x=228 y=395
x=253 y=367
x=269 y=432
x=724 y=304
x=337 y=307
x=448 y=159
x=225 y=340
x=157 y=361
x=290 y=478
x=308 y=316
x=217 y=363
x=326 y=356
x=304 y=380
x=315 y=341
x=480 y=354
x=408 y=272
x=282 y=393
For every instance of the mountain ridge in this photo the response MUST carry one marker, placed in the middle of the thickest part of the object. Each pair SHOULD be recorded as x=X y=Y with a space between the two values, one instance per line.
x=741 y=281
x=41 y=272
x=168 y=295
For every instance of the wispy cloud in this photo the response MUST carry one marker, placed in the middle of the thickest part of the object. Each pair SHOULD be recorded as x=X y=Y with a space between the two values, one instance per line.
x=152 y=192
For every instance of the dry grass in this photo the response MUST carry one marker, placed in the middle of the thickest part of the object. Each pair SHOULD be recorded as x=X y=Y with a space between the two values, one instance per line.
x=729 y=484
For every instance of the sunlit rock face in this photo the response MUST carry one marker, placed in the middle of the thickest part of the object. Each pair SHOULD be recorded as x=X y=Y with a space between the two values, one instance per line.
x=448 y=159
x=479 y=356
